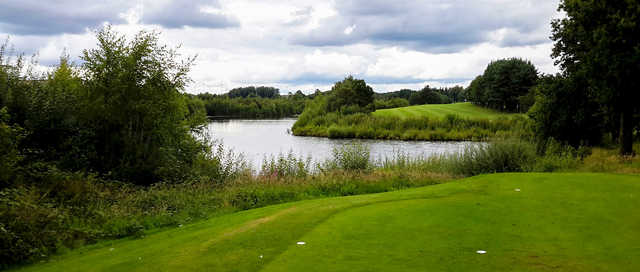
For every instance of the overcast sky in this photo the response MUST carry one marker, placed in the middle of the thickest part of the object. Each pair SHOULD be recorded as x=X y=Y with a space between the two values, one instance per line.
x=302 y=44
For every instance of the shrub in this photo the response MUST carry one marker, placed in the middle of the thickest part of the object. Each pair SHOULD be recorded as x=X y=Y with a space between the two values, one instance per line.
x=355 y=157
x=500 y=156
x=288 y=165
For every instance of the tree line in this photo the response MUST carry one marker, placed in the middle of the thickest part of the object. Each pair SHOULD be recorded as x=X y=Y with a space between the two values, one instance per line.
x=253 y=102
x=426 y=95
x=594 y=98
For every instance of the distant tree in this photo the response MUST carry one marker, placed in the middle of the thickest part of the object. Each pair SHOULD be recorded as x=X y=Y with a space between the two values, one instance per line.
x=506 y=81
x=600 y=41
x=351 y=92
x=299 y=95
x=454 y=94
x=251 y=91
x=425 y=96
x=476 y=92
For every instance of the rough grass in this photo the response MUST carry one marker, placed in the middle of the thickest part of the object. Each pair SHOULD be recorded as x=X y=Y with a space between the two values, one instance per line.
x=559 y=222
x=464 y=110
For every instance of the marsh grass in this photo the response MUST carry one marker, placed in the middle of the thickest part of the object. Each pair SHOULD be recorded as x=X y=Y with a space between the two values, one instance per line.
x=448 y=128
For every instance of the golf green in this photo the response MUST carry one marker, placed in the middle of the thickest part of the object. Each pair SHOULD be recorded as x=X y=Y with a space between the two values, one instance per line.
x=465 y=110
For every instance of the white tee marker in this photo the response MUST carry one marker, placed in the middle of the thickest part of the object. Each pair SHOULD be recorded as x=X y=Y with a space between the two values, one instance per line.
x=517 y=189
x=300 y=243
x=481 y=252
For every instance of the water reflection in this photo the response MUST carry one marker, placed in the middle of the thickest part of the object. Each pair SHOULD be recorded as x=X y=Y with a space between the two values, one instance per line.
x=259 y=138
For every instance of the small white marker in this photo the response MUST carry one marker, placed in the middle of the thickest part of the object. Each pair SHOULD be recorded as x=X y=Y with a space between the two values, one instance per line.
x=301 y=243
x=481 y=252
x=517 y=190
x=260 y=257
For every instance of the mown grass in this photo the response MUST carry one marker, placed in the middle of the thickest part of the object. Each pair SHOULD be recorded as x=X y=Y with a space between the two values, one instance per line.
x=559 y=222
x=463 y=110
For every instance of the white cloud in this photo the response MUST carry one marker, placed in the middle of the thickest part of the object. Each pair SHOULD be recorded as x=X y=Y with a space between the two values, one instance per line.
x=240 y=42
x=349 y=29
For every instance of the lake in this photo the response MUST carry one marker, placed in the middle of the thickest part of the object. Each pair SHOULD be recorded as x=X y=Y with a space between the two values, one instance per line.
x=259 y=138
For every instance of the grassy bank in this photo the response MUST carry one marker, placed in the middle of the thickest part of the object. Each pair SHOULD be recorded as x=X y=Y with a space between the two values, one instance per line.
x=463 y=110
x=563 y=222
x=448 y=122
x=449 y=128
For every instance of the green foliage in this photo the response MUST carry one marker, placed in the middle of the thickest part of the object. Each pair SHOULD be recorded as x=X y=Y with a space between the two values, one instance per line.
x=10 y=137
x=390 y=103
x=283 y=166
x=427 y=96
x=350 y=95
x=598 y=41
x=135 y=108
x=252 y=107
x=504 y=85
x=251 y=91
x=446 y=128
x=499 y=156
x=356 y=157
x=562 y=112
x=444 y=95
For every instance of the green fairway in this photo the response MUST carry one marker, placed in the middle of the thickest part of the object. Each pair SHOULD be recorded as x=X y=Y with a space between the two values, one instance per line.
x=524 y=222
x=465 y=110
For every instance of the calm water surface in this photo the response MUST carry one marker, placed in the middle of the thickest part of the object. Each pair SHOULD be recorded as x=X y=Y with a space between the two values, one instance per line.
x=259 y=138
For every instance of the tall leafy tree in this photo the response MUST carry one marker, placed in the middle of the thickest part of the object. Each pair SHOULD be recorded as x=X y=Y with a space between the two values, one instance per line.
x=503 y=85
x=425 y=96
x=135 y=106
x=600 y=41
x=351 y=92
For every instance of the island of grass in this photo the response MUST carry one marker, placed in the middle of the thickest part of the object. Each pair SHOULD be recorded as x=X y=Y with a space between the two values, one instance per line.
x=522 y=222
x=462 y=110
x=437 y=122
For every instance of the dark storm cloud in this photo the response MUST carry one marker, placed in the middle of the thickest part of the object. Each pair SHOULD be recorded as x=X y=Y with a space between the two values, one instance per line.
x=32 y=17
x=434 y=25
x=178 y=14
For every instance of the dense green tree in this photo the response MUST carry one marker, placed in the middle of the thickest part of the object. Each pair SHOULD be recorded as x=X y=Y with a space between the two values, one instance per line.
x=251 y=91
x=390 y=103
x=404 y=94
x=425 y=96
x=476 y=92
x=135 y=109
x=350 y=94
x=10 y=137
x=454 y=94
x=600 y=41
x=503 y=85
x=562 y=112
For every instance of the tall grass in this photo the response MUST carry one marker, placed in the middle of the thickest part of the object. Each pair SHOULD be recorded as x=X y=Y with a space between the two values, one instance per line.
x=355 y=157
x=285 y=165
x=449 y=128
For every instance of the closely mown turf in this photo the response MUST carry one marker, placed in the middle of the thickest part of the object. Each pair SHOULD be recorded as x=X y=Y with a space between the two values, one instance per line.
x=464 y=110
x=554 y=222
